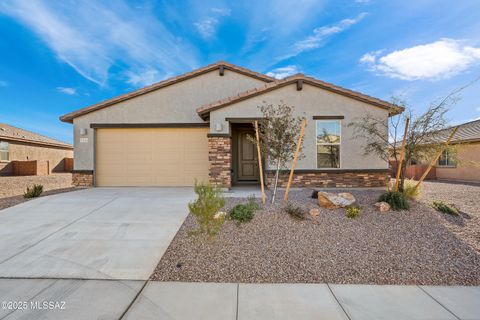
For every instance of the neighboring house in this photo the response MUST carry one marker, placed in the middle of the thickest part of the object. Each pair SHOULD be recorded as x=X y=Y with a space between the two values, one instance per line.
x=462 y=161
x=195 y=126
x=21 y=145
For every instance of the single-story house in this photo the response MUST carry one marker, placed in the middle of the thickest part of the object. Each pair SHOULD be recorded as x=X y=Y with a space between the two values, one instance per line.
x=195 y=126
x=19 y=146
x=462 y=160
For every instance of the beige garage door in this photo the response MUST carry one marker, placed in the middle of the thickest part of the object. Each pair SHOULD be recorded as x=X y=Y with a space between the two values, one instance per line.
x=151 y=157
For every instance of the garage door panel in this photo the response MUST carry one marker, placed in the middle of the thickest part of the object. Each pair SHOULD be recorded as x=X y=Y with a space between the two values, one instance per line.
x=151 y=156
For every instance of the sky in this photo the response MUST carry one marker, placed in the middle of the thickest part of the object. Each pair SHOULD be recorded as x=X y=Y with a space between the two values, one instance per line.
x=59 y=56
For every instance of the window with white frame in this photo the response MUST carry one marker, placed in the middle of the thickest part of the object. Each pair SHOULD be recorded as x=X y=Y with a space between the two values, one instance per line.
x=328 y=143
x=447 y=159
x=4 y=151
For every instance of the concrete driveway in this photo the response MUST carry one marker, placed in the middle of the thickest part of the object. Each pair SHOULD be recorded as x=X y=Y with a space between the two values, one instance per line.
x=101 y=233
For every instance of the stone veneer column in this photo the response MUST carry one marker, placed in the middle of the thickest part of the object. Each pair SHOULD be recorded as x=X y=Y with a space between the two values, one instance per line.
x=82 y=178
x=220 y=159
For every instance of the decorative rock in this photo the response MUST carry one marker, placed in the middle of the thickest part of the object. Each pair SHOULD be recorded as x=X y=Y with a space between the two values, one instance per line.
x=333 y=201
x=382 y=206
x=219 y=215
x=314 y=212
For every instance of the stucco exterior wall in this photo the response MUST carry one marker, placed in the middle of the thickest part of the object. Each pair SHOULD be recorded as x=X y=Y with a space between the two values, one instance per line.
x=24 y=151
x=173 y=104
x=312 y=101
x=468 y=167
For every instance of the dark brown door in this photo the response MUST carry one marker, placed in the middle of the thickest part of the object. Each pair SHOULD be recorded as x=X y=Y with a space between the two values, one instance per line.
x=247 y=157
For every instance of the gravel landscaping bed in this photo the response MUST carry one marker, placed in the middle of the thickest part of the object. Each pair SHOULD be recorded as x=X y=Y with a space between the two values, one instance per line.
x=16 y=185
x=409 y=247
x=466 y=198
x=13 y=187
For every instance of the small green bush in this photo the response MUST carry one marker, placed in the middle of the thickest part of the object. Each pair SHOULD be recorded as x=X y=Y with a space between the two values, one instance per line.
x=245 y=212
x=295 y=211
x=395 y=199
x=352 y=212
x=34 y=192
x=206 y=208
x=409 y=190
x=445 y=208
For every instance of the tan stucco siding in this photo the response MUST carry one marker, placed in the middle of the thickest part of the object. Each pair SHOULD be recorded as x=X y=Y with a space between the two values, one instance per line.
x=173 y=104
x=468 y=167
x=24 y=151
x=312 y=101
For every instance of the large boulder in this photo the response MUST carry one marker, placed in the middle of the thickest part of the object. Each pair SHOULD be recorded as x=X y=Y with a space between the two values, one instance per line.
x=334 y=201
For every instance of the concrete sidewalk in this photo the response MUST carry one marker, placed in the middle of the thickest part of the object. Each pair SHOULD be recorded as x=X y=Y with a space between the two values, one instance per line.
x=115 y=299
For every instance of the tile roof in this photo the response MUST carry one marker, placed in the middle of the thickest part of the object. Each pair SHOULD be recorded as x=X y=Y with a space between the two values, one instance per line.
x=8 y=132
x=469 y=131
x=228 y=66
x=205 y=109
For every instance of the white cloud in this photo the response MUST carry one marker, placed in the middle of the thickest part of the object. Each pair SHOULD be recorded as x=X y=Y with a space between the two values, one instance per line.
x=283 y=72
x=321 y=34
x=478 y=109
x=222 y=11
x=93 y=36
x=3 y=83
x=66 y=90
x=143 y=77
x=440 y=59
x=207 y=27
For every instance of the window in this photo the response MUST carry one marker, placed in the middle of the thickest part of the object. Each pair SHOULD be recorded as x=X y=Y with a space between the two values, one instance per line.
x=3 y=151
x=328 y=143
x=447 y=159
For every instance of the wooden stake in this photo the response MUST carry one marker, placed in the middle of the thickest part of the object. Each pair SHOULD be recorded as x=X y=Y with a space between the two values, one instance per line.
x=260 y=163
x=402 y=155
x=434 y=160
x=299 y=143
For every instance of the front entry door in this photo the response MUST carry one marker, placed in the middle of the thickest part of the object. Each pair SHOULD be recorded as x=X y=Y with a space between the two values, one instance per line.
x=247 y=157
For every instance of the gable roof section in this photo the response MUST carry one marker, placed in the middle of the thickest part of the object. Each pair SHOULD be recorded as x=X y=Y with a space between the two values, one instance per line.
x=11 y=133
x=162 y=84
x=204 y=110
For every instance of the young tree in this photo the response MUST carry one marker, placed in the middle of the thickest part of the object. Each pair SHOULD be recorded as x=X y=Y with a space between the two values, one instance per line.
x=426 y=132
x=279 y=132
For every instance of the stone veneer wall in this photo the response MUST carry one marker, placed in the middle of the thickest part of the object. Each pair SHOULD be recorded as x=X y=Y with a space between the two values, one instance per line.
x=82 y=178
x=333 y=179
x=220 y=159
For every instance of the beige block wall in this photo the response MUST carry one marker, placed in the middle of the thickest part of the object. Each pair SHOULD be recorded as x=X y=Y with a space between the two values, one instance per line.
x=173 y=104
x=24 y=151
x=468 y=167
x=313 y=101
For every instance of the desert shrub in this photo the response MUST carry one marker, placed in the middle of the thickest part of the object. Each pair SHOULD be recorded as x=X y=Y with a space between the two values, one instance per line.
x=242 y=213
x=295 y=212
x=395 y=199
x=34 y=192
x=409 y=190
x=352 y=211
x=206 y=208
x=245 y=212
x=444 y=207
x=252 y=203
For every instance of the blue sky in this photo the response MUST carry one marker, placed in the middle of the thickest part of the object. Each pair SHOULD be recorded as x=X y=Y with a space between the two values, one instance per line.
x=58 y=56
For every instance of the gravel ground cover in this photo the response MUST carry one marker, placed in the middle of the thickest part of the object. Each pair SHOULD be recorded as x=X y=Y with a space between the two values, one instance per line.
x=466 y=198
x=13 y=187
x=16 y=185
x=409 y=247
